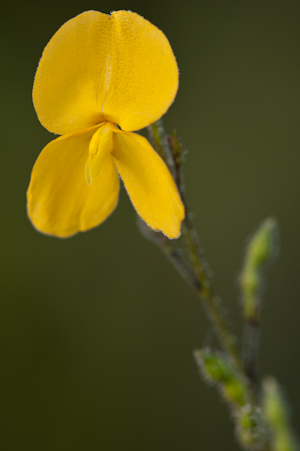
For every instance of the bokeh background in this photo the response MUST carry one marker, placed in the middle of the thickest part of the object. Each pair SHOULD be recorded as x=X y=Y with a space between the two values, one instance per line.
x=97 y=331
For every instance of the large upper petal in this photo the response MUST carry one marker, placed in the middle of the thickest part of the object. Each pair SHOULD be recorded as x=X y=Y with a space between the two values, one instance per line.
x=144 y=73
x=149 y=183
x=60 y=202
x=98 y=67
x=72 y=74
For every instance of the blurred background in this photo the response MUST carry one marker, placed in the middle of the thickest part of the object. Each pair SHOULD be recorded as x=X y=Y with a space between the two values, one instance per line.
x=97 y=331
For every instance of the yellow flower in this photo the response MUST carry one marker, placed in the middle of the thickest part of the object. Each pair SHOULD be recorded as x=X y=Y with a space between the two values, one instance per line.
x=100 y=78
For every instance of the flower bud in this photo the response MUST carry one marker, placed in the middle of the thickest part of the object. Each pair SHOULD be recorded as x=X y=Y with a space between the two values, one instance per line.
x=217 y=370
x=277 y=416
x=260 y=251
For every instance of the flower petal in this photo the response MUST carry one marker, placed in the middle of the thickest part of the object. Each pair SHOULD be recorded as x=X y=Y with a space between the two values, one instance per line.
x=100 y=146
x=149 y=183
x=144 y=75
x=97 y=67
x=72 y=74
x=60 y=202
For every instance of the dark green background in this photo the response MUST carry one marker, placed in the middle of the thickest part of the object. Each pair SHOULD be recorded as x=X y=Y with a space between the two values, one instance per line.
x=97 y=331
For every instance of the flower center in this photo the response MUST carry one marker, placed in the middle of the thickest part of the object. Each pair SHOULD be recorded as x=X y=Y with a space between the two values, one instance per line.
x=114 y=127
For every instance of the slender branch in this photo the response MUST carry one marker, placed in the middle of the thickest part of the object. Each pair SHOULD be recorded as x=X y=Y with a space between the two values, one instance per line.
x=173 y=254
x=174 y=153
x=252 y=422
x=205 y=292
x=261 y=249
x=250 y=350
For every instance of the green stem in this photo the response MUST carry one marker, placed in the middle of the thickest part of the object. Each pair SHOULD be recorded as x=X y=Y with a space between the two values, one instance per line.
x=173 y=254
x=250 y=351
x=171 y=155
x=205 y=292
x=192 y=266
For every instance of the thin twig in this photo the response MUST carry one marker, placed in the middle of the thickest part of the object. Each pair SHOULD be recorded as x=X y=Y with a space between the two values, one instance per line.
x=203 y=287
x=172 y=253
x=250 y=350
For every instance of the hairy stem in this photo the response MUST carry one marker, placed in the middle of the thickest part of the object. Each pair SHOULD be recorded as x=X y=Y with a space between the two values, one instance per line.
x=171 y=151
x=211 y=302
x=250 y=351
